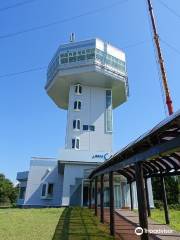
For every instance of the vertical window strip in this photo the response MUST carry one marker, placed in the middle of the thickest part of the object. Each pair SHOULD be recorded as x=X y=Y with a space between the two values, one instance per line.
x=108 y=111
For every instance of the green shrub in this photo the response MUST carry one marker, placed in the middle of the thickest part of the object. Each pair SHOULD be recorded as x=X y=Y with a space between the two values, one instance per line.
x=158 y=204
x=174 y=206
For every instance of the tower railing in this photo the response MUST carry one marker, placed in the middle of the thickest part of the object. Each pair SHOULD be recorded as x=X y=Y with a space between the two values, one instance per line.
x=88 y=57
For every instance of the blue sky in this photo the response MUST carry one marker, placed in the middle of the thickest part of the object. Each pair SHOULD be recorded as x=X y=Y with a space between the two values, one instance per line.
x=31 y=124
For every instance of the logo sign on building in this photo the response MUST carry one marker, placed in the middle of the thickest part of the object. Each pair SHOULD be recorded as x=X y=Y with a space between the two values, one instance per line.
x=105 y=156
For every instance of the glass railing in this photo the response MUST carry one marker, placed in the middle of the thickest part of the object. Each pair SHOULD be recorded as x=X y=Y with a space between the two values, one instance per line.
x=84 y=56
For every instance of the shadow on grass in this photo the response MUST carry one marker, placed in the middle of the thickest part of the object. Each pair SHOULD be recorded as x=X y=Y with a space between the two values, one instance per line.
x=80 y=224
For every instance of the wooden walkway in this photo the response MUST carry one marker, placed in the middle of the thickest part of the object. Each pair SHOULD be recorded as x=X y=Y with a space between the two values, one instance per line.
x=126 y=221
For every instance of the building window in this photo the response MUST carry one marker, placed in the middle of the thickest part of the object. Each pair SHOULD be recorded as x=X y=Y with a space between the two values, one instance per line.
x=108 y=111
x=88 y=127
x=77 y=105
x=22 y=192
x=43 y=194
x=76 y=124
x=85 y=127
x=92 y=128
x=78 y=89
x=73 y=143
x=76 y=143
x=50 y=190
x=47 y=190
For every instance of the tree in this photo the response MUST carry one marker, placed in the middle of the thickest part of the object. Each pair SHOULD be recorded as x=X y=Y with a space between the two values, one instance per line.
x=172 y=185
x=8 y=193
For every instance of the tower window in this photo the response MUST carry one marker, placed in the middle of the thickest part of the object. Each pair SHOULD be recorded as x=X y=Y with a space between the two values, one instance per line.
x=73 y=143
x=108 y=111
x=77 y=105
x=76 y=143
x=92 y=128
x=76 y=124
x=78 y=89
x=88 y=127
x=85 y=127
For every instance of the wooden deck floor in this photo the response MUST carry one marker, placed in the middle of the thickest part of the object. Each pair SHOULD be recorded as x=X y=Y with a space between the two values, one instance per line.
x=126 y=221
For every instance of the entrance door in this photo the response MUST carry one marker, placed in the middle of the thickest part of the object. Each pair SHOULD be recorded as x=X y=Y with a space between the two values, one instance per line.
x=117 y=196
x=123 y=190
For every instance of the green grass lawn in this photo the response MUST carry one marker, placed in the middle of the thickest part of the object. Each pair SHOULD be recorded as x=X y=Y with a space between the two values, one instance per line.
x=51 y=223
x=80 y=224
x=28 y=224
x=158 y=216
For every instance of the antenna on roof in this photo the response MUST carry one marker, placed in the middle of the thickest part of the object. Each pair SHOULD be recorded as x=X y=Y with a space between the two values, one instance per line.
x=72 y=37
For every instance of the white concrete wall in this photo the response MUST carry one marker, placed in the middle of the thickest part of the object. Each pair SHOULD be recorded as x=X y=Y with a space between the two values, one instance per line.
x=92 y=112
x=42 y=171
x=71 y=172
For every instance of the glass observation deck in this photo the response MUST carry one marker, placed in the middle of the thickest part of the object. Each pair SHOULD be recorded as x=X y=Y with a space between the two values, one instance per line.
x=91 y=62
x=79 y=57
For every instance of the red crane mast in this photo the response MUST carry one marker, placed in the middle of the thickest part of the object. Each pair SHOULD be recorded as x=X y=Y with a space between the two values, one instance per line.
x=160 y=59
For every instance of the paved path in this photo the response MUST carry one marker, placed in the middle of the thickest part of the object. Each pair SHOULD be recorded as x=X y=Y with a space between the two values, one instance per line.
x=126 y=221
x=167 y=232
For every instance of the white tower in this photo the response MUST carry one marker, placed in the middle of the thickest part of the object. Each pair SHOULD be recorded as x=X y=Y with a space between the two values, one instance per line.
x=88 y=79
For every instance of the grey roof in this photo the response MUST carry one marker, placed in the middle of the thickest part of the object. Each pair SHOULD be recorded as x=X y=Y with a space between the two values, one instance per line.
x=158 y=149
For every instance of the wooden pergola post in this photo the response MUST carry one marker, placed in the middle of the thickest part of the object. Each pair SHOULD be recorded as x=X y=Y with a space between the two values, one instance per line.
x=95 y=195
x=164 y=198
x=142 y=209
x=111 y=203
x=147 y=198
x=102 y=198
x=131 y=195
x=90 y=194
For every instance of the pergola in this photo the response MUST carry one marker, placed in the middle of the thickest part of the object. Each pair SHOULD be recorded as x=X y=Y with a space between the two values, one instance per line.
x=154 y=154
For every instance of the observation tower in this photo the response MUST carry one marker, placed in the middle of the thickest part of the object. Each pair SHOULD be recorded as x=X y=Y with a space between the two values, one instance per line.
x=88 y=79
